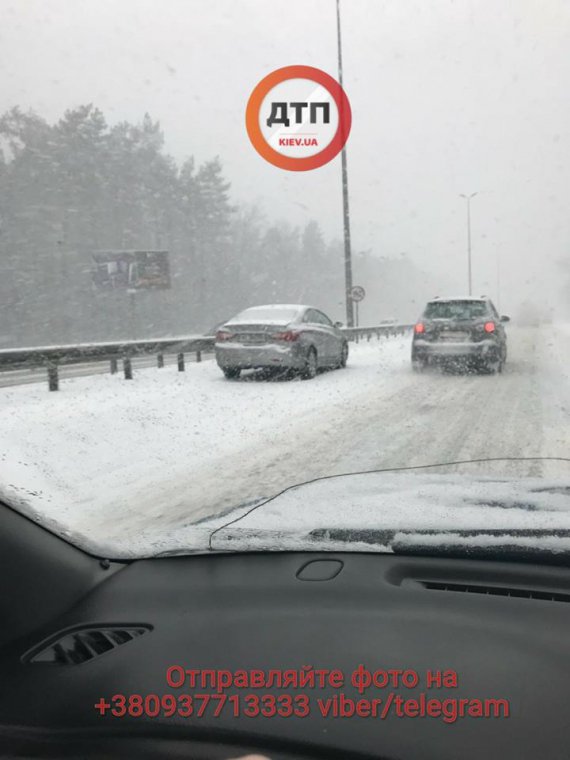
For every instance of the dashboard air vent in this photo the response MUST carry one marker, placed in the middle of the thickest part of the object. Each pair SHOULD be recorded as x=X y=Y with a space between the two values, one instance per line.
x=85 y=644
x=519 y=593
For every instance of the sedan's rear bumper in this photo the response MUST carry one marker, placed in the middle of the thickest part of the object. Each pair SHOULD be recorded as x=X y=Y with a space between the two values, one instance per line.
x=483 y=349
x=254 y=357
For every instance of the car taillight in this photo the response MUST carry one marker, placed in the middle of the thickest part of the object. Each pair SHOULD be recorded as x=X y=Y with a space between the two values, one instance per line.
x=223 y=335
x=420 y=328
x=288 y=336
x=489 y=327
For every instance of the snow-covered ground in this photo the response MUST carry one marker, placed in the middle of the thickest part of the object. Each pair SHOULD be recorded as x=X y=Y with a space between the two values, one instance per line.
x=128 y=462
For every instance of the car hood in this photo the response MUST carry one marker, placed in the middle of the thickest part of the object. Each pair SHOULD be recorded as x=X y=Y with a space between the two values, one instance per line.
x=389 y=511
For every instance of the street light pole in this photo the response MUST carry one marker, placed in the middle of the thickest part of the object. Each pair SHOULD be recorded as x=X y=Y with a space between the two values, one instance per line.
x=345 y=206
x=468 y=199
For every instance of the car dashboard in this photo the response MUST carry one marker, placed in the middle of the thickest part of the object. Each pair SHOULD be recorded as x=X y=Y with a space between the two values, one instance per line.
x=303 y=650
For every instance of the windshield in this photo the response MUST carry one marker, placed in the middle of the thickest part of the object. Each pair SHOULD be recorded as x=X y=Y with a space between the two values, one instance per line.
x=456 y=310
x=225 y=230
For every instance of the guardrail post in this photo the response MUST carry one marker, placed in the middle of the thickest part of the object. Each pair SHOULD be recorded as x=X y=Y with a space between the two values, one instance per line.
x=160 y=360
x=198 y=356
x=181 y=362
x=128 y=368
x=114 y=366
x=53 y=377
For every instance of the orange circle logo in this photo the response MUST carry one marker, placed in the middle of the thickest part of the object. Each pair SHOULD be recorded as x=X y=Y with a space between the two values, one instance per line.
x=298 y=118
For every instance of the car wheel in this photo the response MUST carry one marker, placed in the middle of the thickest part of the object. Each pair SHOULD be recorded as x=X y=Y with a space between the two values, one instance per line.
x=503 y=359
x=343 y=356
x=418 y=365
x=231 y=372
x=311 y=366
x=489 y=367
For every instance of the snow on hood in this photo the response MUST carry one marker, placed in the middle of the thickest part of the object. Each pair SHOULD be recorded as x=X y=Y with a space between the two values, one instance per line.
x=368 y=512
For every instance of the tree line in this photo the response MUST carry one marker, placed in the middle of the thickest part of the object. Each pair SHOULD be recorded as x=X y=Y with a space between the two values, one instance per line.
x=80 y=185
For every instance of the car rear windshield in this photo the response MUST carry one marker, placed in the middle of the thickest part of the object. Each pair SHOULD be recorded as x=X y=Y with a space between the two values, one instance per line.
x=456 y=310
x=265 y=316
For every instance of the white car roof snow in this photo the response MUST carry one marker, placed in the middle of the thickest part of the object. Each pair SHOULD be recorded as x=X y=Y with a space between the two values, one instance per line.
x=279 y=306
x=458 y=298
x=250 y=314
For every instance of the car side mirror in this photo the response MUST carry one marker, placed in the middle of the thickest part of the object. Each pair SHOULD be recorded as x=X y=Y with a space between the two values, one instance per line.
x=505 y=319
x=338 y=324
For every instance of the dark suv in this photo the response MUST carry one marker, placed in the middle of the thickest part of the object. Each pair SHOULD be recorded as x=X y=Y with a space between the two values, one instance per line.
x=460 y=330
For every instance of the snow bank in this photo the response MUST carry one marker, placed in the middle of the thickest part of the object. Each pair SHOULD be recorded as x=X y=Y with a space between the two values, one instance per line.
x=104 y=458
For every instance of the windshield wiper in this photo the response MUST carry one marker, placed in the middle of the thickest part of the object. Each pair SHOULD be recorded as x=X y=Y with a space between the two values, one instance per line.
x=514 y=545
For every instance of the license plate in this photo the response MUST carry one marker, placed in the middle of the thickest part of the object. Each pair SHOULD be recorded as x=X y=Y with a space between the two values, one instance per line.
x=253 y=340
x=455 y=337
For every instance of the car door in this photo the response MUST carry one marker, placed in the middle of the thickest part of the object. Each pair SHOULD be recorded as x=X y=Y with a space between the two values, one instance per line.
x=333 y=338
x=318 y=335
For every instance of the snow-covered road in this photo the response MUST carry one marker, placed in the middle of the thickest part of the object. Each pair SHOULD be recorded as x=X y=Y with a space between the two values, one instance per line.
x=172 y=447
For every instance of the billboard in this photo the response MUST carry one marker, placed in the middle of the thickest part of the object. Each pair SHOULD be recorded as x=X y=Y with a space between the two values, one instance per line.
x=131 y=270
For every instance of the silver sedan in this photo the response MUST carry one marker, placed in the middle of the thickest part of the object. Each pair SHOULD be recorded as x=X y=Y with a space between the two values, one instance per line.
x=280 y=336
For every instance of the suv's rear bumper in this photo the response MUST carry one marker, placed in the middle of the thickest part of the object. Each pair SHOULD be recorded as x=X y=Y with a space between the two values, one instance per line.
x=483 y=349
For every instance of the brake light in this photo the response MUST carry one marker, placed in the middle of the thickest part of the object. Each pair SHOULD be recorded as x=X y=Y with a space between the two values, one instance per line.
x=223 y=335
x=489 y=327
x=420 y=328
x=288 y=336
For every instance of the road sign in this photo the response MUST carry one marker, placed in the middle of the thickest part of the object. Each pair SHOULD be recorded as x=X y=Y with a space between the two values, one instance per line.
x=357 y=293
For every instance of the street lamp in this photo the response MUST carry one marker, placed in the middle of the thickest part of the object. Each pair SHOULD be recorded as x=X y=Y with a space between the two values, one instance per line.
x=346 y=212
x=468 y=199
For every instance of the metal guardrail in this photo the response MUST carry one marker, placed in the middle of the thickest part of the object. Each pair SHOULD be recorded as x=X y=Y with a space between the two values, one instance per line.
x=51 y=358
x=379 y=331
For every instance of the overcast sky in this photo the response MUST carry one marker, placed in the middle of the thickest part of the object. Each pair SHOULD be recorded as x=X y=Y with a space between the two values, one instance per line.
x=448 y=97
